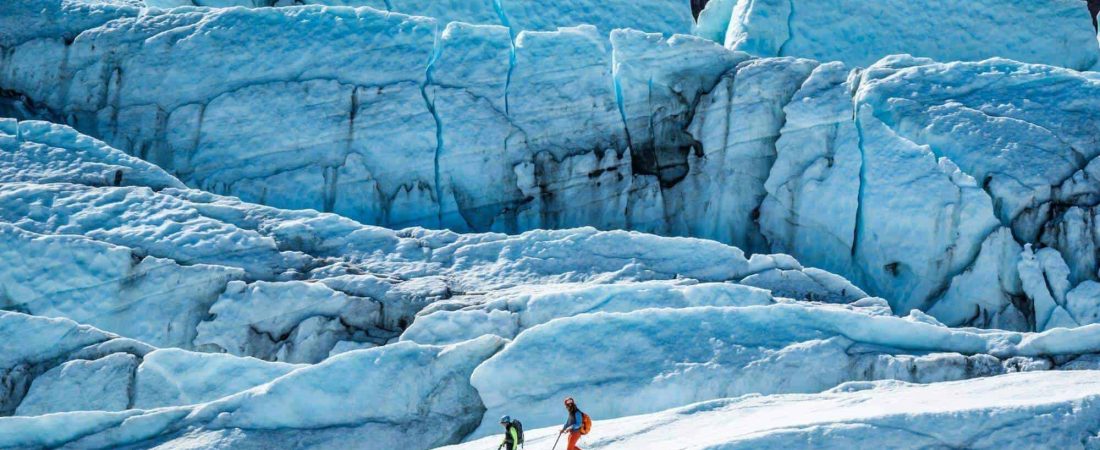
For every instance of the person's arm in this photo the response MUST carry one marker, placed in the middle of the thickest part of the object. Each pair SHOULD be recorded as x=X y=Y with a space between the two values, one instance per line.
x=515 y=437
x=568 y=423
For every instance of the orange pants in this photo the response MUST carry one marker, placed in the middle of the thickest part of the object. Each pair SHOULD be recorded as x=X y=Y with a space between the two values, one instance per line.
x=574 y=436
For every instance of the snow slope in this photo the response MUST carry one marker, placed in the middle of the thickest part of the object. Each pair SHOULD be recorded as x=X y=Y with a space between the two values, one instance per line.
x=1025 y=410
x=1055 y=32
x=648 y=360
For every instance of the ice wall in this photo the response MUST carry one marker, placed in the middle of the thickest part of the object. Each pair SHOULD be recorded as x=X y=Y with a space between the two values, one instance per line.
x=663 y=16
x=920 y=181
x=858 y=32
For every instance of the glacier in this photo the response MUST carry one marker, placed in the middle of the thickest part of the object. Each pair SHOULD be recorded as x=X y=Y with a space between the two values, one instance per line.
x=385 y=224
x=476 y=313
x=1054 y=32
x=476 y=112
x=663 y=16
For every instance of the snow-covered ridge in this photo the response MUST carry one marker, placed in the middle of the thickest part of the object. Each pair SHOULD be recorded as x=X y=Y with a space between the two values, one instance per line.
x=557 y=129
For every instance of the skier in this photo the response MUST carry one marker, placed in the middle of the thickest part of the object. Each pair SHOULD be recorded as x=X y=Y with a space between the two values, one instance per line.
x=512 y=434
x=577 y=425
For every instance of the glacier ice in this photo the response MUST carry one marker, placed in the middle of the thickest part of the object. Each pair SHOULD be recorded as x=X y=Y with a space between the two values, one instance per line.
x=303 y=286
x=857 y=32
x=82 y=385
x=288 y=321
x=55 y=365
x=174 y=377
x=664 y=16
x=508 y=313
x=197 y=257
x=260 y=411
x=35 y=151
x=475 y=314
x=499 y=130
x=150 y=299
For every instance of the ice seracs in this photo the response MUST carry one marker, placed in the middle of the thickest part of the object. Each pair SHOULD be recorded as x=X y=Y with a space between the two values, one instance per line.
x=289 y=321
x=352 y=396
x=497 y=130
x=664 y=16
x=475 y=313
x=1056 y=32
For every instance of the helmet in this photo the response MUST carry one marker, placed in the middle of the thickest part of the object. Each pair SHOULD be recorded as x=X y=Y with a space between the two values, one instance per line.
x=505 y=419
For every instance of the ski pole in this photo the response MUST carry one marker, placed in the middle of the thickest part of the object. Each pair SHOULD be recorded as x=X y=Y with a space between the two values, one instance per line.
x=556 y=442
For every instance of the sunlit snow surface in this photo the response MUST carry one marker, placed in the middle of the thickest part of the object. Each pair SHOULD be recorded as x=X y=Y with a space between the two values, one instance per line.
x=1030 y=410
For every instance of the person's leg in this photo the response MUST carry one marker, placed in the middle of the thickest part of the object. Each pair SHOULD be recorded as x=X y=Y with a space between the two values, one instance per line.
x=574 y=436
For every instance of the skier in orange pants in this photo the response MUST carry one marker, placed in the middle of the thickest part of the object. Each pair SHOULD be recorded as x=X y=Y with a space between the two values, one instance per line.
x=576 y=425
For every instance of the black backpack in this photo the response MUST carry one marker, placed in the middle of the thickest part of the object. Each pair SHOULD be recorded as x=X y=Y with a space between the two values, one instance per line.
x=519 y=430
